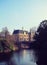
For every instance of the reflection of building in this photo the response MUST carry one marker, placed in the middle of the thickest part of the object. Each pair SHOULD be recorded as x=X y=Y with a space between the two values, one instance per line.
x=21 y=35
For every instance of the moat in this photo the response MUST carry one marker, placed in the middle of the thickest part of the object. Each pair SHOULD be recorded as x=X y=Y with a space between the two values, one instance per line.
x=23 y=57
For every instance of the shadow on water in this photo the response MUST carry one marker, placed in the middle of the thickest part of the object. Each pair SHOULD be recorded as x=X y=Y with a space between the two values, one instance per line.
x=5 y=56
x=5 y=59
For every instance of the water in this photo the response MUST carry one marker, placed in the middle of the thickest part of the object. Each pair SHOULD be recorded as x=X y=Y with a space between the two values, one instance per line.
x=23 y=57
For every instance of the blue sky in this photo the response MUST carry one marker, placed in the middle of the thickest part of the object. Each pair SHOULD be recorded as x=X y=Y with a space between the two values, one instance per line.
x=16 y=14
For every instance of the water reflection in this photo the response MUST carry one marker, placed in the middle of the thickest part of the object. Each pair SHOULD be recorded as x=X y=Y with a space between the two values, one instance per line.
x=23 y=57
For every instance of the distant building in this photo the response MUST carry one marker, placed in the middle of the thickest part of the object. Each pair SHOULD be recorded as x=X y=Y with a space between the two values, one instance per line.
x=31 y=35
x=18 y=36
x=21 y=35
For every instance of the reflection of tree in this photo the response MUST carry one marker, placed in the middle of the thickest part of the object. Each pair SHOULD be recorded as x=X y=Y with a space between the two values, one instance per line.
x=11 y=61
x=40 y=43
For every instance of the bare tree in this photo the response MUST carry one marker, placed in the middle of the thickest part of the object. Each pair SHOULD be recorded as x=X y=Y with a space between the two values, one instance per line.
x=5 y=32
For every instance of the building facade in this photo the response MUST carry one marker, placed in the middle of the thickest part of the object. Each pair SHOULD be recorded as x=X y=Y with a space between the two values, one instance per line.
x=21 y=35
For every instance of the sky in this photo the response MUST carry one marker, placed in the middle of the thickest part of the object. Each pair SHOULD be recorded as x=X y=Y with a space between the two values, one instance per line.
x=18 y=14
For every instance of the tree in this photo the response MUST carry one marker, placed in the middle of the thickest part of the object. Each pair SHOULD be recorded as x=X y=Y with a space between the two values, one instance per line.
x=40 y=43
x=4 y=32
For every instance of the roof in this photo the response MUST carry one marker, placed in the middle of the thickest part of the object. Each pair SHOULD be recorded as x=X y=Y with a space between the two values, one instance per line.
x=19 y=31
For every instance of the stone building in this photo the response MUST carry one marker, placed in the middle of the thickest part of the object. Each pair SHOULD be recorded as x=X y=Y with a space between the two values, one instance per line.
x=21 y=35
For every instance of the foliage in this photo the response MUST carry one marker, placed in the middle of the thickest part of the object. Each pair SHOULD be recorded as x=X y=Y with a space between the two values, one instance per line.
x=40 y=43
x=11 y=47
